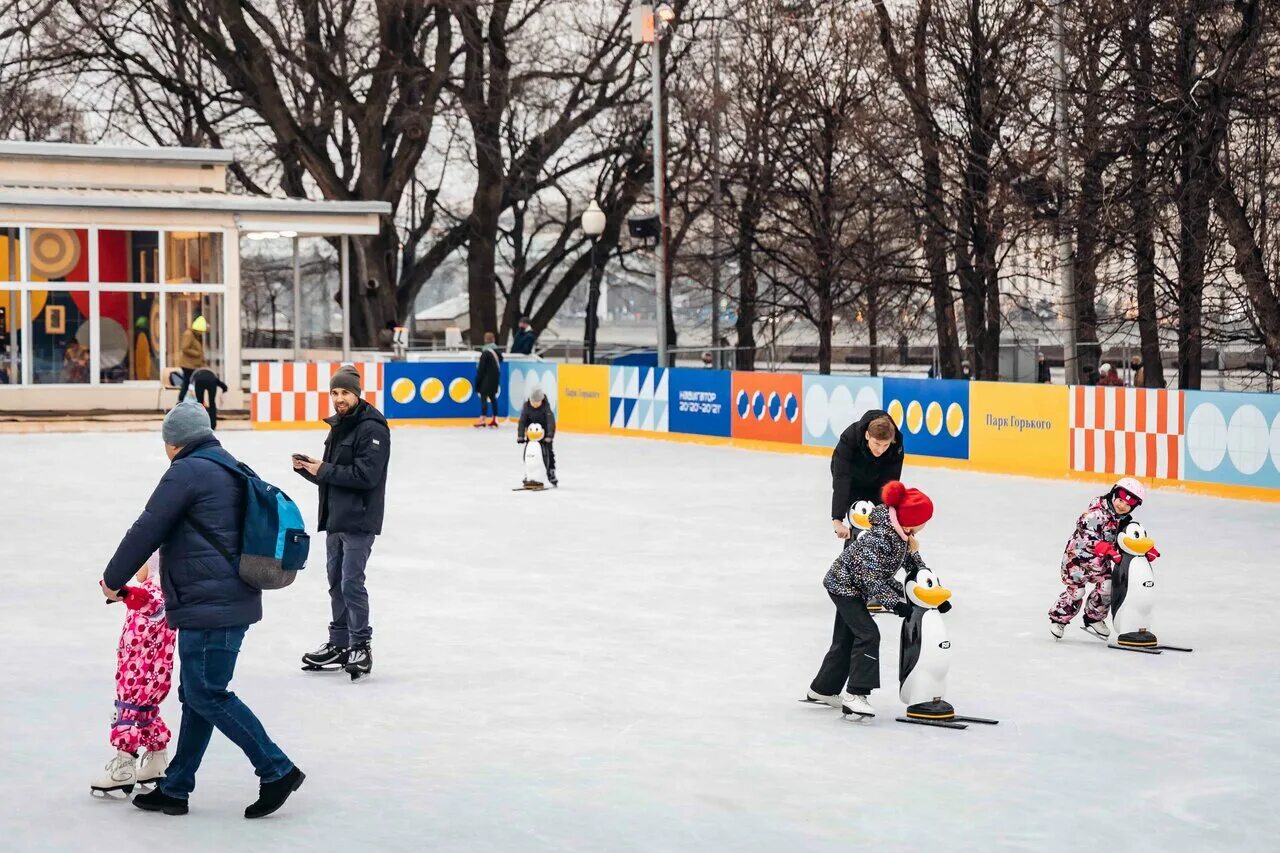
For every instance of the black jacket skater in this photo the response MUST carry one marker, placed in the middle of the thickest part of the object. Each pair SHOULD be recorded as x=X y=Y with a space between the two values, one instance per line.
x=541 y=415
x=489 y=372
x=856 y=475
x=353 y=478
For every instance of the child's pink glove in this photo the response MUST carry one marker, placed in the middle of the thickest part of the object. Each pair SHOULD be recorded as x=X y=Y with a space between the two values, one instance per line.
x=135 y=598
x=1106 y=551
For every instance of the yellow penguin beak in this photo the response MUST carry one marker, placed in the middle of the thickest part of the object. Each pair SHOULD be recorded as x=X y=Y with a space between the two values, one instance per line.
x=861 y=521
x=932 y=596
x=1138 y=546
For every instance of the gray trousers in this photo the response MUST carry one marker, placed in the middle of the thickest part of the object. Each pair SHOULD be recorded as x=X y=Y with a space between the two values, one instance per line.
x=347 y=555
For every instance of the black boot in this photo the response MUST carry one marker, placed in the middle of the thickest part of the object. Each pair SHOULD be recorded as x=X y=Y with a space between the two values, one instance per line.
x=271 y=795
x=359 y=661
x=158 y=801
x=327 y=658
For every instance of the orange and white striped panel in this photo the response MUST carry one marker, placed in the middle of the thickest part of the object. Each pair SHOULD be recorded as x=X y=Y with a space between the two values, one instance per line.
x=292 y=392
x=1133 y=431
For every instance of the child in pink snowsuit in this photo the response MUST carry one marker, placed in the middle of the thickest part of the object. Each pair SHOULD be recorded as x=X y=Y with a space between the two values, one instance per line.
x=1091 y=553
x=144 y=672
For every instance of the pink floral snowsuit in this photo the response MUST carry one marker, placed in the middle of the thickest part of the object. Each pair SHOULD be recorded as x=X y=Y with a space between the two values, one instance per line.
x=1099 y=523
x=144 y=671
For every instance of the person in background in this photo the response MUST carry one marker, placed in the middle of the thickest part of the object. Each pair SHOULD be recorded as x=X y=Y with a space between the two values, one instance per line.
x=1042 y=370
x=525 y=338
x=1089 y=375
x=708 y=360
x=1139 y=374
x=966 y=372
x=868 y=455
x=191 y=353
x=1110 y=377
x=487 y=380
x=207 y=385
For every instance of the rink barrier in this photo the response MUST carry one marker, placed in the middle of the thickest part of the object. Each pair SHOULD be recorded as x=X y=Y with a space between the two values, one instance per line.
x=1210 y=442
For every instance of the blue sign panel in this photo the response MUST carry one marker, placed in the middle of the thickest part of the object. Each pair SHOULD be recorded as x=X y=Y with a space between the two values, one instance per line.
x=700 y=401
x=933 y=415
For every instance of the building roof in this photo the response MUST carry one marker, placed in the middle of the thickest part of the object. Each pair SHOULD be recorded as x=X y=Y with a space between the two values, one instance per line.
x=71 y=151
x=453 y=308
x=259 y=213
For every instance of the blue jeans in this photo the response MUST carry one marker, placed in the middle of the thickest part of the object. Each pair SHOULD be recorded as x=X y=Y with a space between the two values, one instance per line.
x=208 y=660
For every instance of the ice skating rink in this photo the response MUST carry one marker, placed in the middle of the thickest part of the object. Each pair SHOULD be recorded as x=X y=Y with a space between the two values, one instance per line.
x=615 y=666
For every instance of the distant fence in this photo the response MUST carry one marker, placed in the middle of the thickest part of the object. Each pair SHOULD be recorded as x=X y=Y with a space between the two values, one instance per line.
x=1217 y=442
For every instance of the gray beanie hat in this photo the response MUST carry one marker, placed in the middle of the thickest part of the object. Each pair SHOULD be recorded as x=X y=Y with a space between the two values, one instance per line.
x=347 y=378
x=537 y=395
x=185 y=424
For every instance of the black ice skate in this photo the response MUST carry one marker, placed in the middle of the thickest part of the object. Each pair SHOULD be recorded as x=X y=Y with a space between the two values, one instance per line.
x=327 y=658
x=359 y=661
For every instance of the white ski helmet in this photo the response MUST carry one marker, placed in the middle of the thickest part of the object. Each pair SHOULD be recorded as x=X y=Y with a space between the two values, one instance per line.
x=1133 y=487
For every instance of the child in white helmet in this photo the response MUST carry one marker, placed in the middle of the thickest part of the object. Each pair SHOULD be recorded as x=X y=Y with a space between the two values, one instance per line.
x=1091 y=553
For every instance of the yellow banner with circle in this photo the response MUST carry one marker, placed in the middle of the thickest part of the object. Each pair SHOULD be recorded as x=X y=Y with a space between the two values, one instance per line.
x=584 y=396
x=1019 y=428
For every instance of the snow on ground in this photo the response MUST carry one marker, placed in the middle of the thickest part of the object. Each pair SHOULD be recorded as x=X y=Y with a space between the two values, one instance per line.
x=615 y=666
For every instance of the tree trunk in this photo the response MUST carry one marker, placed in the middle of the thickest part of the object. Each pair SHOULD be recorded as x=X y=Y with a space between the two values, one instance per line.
x=1144 y=223
x=482 y=246
x=748 y=292
x=373 y=301
x=873 y=327
x=1249 y=262
x=1085 y=273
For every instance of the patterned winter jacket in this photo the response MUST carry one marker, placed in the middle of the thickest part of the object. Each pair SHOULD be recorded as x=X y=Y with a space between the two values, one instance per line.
x=866 y=568
x=1099 y=523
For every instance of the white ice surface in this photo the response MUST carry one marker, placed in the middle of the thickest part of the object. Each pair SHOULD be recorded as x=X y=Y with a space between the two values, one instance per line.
x=615 y=666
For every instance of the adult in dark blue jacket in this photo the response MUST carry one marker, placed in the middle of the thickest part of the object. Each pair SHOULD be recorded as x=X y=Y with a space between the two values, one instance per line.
x=198 y=504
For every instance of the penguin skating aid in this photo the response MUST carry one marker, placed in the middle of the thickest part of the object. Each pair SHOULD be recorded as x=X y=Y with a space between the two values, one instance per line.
x=924 y=656
x=1133 y=595
x=858 y=520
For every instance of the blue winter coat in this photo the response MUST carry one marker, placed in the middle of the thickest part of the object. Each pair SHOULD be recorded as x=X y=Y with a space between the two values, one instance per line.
x=201 y=589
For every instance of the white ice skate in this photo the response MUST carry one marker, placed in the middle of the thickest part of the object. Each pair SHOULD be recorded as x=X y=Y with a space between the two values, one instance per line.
x=821 y=699
x=152 y=766
x=856 y=704
x=1098 y=629
x=117 y=778
x=1057 y=629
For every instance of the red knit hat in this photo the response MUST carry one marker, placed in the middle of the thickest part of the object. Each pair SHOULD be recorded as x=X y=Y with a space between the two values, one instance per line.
x=913 y=506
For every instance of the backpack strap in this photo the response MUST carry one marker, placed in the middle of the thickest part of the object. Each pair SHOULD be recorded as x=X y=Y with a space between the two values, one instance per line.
x=226 y=461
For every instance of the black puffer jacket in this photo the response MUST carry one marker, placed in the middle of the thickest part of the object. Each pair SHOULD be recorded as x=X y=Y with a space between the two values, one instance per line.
x=353 y=478
x=866 y=568
x=201 y=589
x=488 y=372
x=856 y=475
x=541 y=415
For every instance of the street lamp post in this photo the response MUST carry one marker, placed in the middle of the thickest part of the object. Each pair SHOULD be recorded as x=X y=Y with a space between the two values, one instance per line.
x=593 y=222
x=651 y=25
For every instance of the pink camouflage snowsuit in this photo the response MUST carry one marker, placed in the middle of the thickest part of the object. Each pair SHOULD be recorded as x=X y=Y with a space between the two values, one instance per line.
x=1081 y=565
x=144 y=672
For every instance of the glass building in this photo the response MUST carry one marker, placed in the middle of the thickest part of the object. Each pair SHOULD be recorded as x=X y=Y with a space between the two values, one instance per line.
x=107 y=257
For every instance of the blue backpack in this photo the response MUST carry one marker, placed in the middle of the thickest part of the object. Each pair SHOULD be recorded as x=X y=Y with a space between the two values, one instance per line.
x=274 y=545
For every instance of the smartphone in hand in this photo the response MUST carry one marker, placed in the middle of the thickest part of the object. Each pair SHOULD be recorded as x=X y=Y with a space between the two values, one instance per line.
x=302 y=457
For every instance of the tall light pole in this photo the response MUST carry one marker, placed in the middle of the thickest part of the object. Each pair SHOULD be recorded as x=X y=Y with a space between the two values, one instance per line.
x=715 y=198
x=593 y=222
x=651 y=26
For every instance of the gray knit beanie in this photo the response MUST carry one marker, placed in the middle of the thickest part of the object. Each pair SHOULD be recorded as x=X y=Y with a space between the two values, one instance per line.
x=537 y=395
x=347 y=378
x=185 y=424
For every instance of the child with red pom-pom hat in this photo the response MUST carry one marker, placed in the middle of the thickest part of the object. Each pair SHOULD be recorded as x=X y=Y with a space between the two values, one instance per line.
x=863 y=574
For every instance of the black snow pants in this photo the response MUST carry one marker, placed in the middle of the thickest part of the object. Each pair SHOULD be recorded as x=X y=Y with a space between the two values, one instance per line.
x=854 y=656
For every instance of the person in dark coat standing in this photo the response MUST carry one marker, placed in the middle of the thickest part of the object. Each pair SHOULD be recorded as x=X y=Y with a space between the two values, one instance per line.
x=488 y=379
x=525 y=338
x=868 y=455
x=1042 y=370
x=353 y=488
x=194 y=517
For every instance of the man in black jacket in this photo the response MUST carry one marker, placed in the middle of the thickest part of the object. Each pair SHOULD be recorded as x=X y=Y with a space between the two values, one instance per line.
x=194 y=518
x=353 y=484
x=868 y=455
